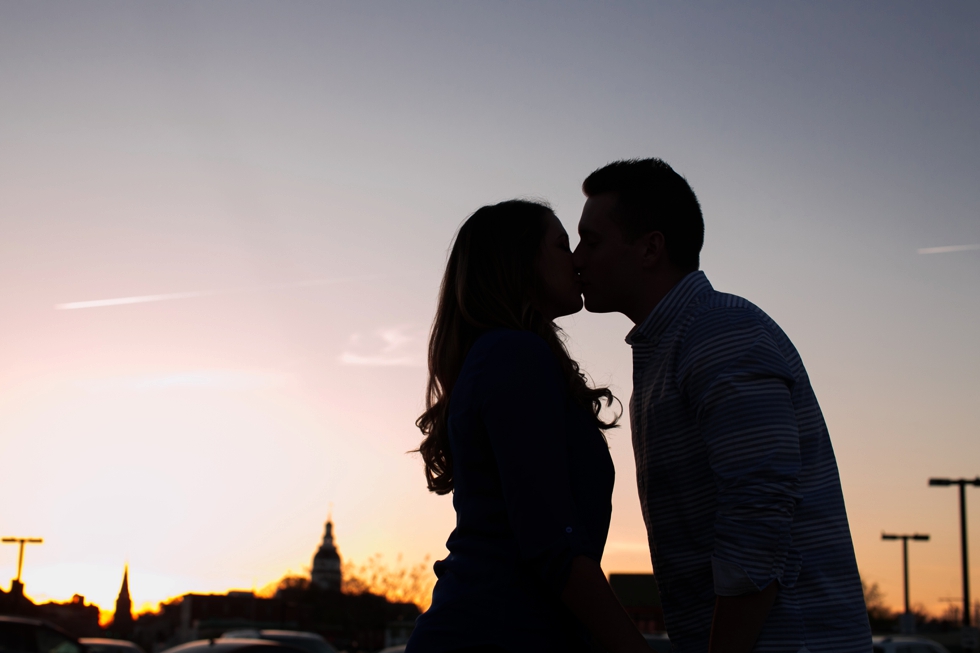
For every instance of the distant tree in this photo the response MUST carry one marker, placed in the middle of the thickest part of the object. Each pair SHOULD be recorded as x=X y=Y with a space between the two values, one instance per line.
x=874 y=600
x=922 y=616
x=952 y=614
x=293 y=582
x=290 y=581
x=880 y=615
x=398 y=583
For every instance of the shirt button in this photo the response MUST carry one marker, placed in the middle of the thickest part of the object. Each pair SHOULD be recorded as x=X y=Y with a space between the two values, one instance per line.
x=568 y=529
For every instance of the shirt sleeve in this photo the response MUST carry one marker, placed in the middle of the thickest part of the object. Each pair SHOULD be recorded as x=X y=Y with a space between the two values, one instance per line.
x=524 y=412
x=739 y=383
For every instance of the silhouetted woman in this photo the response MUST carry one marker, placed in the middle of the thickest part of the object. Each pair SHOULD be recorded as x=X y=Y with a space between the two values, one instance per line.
x=512 y=429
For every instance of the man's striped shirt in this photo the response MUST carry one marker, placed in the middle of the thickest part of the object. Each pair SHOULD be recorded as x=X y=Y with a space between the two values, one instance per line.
x=737 y=476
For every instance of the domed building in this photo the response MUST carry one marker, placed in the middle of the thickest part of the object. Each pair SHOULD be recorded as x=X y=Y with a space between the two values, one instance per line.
x=326 y=564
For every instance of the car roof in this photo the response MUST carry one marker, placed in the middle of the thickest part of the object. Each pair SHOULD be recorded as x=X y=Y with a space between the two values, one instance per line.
x=37 y=623
x=290 y=633
x=23 y=620
x=106 y=641
x=229 y=645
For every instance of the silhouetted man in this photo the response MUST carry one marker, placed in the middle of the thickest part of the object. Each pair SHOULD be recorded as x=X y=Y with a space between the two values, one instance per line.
x=736 y=473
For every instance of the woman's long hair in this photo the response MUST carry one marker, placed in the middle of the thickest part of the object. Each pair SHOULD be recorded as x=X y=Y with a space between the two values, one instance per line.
x=491 y=282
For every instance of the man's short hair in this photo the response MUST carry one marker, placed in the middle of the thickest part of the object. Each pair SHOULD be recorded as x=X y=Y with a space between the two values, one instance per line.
x=650 y=196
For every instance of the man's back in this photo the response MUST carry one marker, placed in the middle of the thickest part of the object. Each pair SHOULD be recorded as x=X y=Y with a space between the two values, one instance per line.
x=737 y=475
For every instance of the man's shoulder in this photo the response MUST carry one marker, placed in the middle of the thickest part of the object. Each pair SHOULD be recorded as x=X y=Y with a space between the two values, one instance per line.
x=723 y=327
x=721 y=311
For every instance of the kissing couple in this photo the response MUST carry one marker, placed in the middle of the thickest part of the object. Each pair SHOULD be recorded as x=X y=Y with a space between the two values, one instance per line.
x=735 y=470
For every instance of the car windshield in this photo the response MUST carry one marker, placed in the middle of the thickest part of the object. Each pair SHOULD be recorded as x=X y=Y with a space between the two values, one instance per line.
x=49 y=641
x=308 y=644
x=111 y=648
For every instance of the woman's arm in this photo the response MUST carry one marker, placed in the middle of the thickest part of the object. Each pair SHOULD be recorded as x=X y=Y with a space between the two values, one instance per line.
x=588 y=595
x=524 y=412
x=738 y=620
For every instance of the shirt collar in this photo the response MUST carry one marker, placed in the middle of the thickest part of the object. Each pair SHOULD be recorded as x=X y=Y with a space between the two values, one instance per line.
x=650 y=329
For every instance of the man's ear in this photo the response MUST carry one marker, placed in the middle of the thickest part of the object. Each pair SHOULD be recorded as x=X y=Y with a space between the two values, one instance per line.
x=654 y=250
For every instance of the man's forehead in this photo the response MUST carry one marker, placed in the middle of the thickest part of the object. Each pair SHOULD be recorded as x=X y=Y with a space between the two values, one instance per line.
x=597 y=213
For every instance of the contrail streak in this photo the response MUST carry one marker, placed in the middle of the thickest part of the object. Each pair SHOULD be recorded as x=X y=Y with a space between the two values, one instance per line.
x=949 y=248
x=142 y=299
x=95 y=303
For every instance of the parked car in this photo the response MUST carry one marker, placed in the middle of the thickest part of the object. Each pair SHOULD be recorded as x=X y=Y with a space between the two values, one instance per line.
x=235 y=645
x=658 y=642
x=20 y=635
x=905 y=644
x=103 y=645
x=308 y=642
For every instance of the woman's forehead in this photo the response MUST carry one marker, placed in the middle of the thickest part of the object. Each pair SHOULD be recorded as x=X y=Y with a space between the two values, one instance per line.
x=554 y=224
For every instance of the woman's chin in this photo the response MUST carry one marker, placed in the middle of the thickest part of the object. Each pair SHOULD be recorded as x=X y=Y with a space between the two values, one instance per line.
x=572 y=307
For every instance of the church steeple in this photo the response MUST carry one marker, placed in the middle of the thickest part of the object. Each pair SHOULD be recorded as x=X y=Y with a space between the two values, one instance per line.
x=326 y=563
x=122 y=619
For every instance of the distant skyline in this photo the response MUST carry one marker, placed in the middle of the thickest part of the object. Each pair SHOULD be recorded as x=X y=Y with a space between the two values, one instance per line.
x=223 y=225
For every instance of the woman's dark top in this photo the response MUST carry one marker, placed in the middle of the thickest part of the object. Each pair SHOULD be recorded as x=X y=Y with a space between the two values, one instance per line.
x=533 y=484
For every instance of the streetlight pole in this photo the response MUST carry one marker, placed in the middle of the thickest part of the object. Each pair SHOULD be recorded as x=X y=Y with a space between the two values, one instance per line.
x=17 y=586
x=908 y=625
x=962 y=483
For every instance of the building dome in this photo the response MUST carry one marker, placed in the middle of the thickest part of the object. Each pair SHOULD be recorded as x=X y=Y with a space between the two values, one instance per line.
x=326 y=564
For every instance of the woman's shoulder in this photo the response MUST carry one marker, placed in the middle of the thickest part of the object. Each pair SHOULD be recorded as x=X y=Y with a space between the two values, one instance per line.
x=507 y=353
x=505 y=345
x=499 y=359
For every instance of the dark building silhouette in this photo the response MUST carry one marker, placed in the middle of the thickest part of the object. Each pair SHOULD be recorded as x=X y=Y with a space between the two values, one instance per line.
x=14 y=602
x=362 y=621
x=77 y=617
x=122 y=618
x=356 y=622
x=352 y=622
x=325 y=574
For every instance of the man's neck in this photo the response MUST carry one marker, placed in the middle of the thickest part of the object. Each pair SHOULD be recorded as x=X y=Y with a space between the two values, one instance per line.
x=653 y=292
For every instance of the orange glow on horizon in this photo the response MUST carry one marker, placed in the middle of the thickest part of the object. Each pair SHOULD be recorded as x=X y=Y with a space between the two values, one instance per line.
x=223 y=230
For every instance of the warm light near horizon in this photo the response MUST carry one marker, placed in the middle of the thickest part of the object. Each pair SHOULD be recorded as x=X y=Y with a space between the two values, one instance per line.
x=224 y=227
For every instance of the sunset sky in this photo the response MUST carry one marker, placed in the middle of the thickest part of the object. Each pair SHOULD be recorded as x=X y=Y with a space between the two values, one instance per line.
x=278 y=183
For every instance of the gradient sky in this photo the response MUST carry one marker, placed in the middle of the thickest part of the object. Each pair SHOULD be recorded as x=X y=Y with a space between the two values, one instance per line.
x=294 y=172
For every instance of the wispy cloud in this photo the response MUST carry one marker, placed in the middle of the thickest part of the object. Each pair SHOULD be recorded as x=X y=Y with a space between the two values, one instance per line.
x=949 y=248
x=142 y=299
x=117 y=301
x=395 y=346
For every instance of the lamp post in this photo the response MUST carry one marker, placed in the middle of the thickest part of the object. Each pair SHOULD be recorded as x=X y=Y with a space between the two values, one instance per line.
x=16 y=586
x=962 y=483
x=908 y=622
